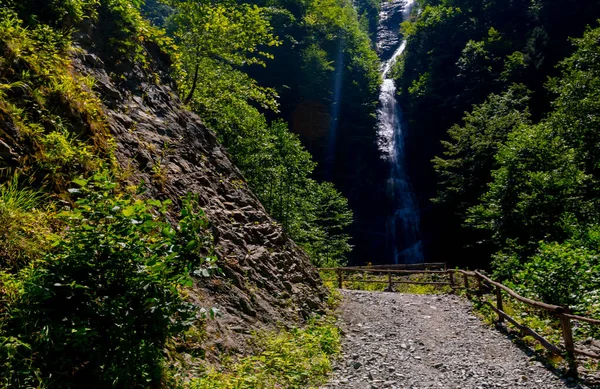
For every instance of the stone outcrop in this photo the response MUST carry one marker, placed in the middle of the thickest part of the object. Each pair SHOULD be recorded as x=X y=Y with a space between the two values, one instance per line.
x=267 y=279
x=388 y=31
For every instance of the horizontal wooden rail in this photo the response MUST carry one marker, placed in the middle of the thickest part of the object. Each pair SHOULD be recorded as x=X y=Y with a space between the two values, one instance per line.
x=465 y=272
x=582 y=318
x=421 y=283
x=416 y=266
x=587 y=354
x=385 y=281
x=382 y=271
x=533 y=303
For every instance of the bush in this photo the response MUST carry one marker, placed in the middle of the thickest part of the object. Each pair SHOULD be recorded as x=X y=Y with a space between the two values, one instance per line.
x=101 y=305
x=560 y=274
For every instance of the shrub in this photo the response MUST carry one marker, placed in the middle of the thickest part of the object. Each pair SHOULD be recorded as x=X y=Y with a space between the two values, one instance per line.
x=560 y=274
x=100 y=307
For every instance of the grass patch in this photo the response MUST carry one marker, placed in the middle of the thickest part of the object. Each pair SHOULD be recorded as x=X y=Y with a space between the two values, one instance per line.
x=288 y=358
x=379 y=283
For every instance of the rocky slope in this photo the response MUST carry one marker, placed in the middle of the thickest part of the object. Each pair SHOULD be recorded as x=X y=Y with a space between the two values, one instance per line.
x=267 y=278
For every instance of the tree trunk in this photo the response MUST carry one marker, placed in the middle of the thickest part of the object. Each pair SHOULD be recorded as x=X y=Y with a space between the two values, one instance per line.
x=195 y=81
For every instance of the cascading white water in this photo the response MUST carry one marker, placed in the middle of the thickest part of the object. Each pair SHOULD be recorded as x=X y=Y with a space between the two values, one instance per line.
x=403 y=225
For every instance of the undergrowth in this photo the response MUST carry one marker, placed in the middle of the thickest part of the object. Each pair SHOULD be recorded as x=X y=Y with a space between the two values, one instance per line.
x=50 y=111
x=94 y=280
x=288 y=358
x=102 y=302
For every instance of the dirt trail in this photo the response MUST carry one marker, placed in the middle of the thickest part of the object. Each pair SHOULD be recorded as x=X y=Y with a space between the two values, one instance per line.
x=397 y=340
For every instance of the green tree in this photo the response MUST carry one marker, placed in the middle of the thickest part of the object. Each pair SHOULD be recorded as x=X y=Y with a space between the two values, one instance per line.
x=470 y=153
x=546 y=184
x=323 y=231
x=469 y=159
x=213 y=57
x=216 y=37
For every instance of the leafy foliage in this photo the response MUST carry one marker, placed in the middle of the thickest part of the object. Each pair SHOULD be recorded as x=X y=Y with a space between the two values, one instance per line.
x=48 y=105
x=214 y=38
x=101 y=304
x=459 y=53
x=532 y=189
x=95 y=293
x=561 y=274
x=214 y=50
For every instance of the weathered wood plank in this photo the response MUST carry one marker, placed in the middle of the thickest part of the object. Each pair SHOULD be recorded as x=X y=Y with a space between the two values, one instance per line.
x=432 y=265
x=421 y=283
x=440 y=272
x=383 y=271
x=582 y=318
x=587 y=354
x=567 y=331
x=499 y=304
x=385 y=281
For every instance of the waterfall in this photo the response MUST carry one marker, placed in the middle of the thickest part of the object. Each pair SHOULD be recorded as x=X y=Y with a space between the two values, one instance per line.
x=402 y=226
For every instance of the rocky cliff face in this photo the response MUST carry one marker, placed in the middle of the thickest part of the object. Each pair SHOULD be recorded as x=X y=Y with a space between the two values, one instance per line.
x=267 y=278
x=388 y=31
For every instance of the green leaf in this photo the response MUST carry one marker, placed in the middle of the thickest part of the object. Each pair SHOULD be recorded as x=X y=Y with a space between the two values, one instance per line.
x=129 y=211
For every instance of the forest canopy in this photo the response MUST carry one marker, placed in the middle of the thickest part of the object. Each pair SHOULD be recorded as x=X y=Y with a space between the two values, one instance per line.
x=511 y=89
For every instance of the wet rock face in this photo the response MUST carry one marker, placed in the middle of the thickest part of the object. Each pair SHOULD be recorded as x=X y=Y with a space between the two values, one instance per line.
x=267 y=278
x=388 y=32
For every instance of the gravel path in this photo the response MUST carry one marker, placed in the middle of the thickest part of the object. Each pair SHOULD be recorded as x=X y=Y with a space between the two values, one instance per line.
x=394 y=340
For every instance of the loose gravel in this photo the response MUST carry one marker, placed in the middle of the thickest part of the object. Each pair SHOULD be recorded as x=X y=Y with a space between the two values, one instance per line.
x=394 y=340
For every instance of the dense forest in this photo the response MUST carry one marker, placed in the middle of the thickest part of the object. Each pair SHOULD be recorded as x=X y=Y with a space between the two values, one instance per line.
x=511 y=90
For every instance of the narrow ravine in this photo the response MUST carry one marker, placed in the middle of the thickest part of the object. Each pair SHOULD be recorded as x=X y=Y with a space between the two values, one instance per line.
x=402 y=225
x=394 y=340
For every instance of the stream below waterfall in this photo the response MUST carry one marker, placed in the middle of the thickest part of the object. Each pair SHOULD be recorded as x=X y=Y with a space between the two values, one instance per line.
x=402 y=224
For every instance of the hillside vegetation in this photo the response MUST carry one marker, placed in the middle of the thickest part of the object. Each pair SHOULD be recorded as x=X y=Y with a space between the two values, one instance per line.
x=97 y=280
x=518 y=173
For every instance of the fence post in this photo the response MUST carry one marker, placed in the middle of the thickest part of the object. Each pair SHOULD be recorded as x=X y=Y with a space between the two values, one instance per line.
x=479 y=286
x=569 y=346
x=499 y=303
x=390 y=285
x=466 y=279
x=340 y=279
x=451 y=274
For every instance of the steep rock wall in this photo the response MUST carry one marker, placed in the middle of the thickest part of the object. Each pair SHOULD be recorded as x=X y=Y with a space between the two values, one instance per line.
x=267 y=279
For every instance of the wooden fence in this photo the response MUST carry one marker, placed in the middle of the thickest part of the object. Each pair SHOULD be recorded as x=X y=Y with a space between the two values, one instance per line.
x=397 y=271
x=563 y=313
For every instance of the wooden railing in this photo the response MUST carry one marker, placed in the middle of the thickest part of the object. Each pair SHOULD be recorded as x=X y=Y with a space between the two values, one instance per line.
x=341 y=271
x=563 y=313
